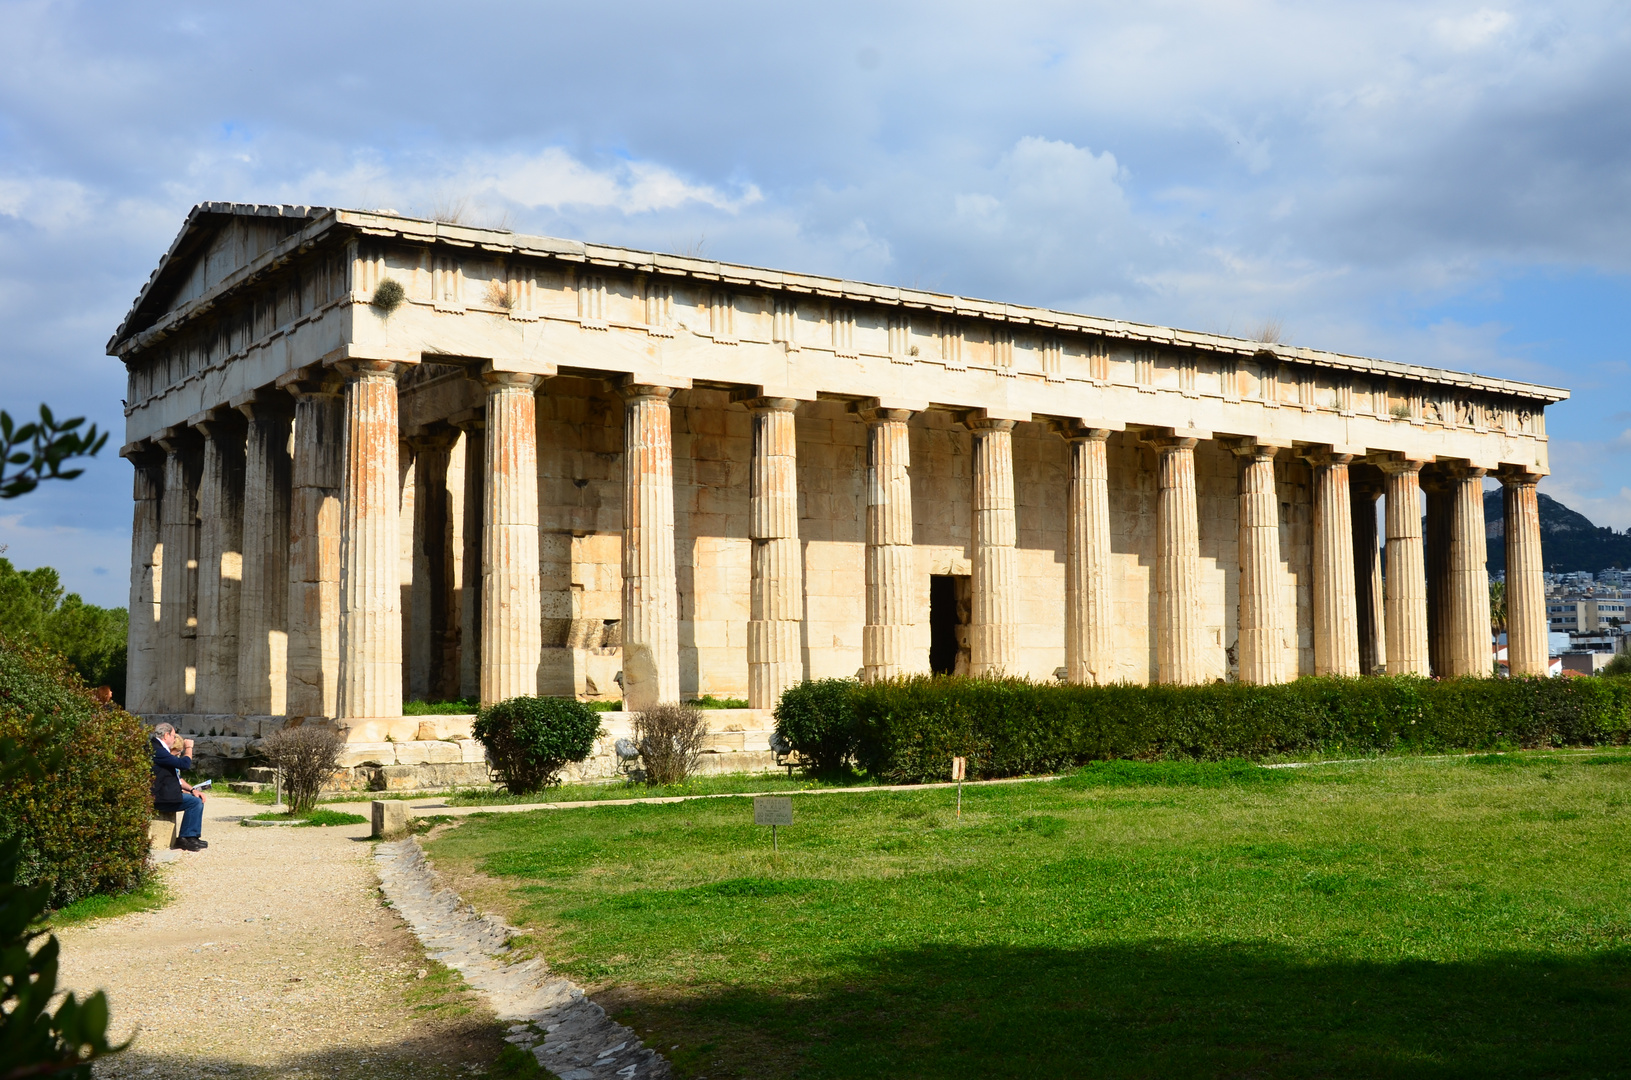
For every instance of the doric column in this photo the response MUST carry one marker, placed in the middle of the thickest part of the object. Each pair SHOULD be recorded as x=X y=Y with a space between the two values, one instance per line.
x=220 y=561
x=890 y=568
x=142 y=690
x=775 y=647
x=1372 y=618
x=370 y=546
x=431 y=586
x=474 y=448
x=1468 y=576
x=1262 y=638
x=264 y=594
x=1177 y=564
x=511 y=616
x=1406 y=570
x=314 y=552
x=1089 y=620
x=1436 y=555
x=651 y=630
x=1336 y=604
x=994 y=627
x=178 y=595
x=1527 y=651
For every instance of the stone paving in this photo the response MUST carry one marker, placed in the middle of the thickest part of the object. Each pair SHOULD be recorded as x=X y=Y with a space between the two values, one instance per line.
x=570 y=1035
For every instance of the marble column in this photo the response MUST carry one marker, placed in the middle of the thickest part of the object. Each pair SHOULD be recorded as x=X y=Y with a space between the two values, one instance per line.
x=1177 y=565
x=1406 y=571
x=430 y=583
x=474 y=448
x=1336 y=603
x=1527 y=627
x=220 y=562
x=1089 y=615
x=1468 y=576
x=143 y=693
x=886 y=639
x=178 y=596
x=264 y=594
x=1436 y=556
x=1368 y=589
x=776 y=614
x=651 y=630
x=994 y=627
x=313 y=609
x=511 y=593
x=1262 y=636
x=370 y=681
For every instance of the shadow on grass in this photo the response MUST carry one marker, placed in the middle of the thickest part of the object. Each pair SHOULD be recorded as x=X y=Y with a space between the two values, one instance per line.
x=1157 y=1011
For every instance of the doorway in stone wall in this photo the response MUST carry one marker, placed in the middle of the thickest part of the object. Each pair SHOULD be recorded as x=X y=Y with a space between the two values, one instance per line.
x=951 y=604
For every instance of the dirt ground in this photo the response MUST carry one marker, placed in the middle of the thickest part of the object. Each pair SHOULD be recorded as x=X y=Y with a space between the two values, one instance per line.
x=276 y=958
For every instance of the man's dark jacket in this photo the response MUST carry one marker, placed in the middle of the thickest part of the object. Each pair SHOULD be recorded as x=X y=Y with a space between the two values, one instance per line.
x=166 y=784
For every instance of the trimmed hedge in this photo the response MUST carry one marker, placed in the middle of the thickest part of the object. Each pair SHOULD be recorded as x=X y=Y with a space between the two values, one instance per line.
x=83 y=825
x=907 y=730
x=529 y=739
x=816 y=718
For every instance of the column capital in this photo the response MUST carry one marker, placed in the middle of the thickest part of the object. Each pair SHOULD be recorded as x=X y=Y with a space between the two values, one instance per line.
x=650 y=385
x=432 y=436
x=633 y=391
x=1326 y=454
x=1247 y=446
x=979 y=423
x=216 y=422
x=1169 y=443
x=885 y=410
x=469 y=419
x=1076 y=430
x=1518 y=475
x=510 y=378
x=356 y=369
x=760 y=403
x=1398 y=465
x=176 y=438
x=267 y=401
x=313 y=380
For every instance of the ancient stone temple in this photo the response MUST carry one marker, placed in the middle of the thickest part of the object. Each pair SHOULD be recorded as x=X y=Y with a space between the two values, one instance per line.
x=378 y=458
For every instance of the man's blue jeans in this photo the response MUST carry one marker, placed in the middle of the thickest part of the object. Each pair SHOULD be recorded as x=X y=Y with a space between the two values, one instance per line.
x=192 y=815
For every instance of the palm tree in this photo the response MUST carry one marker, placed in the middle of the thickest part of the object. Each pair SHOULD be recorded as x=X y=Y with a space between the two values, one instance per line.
x=1497 y=607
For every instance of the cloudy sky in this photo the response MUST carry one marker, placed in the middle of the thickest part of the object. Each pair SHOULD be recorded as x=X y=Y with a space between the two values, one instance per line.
x=1439 y=183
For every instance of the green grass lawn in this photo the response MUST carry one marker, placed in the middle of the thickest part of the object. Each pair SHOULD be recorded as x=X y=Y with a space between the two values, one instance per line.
x=151 y=895
x=723 y=784
x=1463 y=917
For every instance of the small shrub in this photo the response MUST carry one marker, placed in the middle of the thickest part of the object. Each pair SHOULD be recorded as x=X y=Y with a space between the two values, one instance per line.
x=669 y=738
x=529 y=739
x=1620 y=665
x=81 y=823
x=306 y=756
x=388 y=295
x=817 y=718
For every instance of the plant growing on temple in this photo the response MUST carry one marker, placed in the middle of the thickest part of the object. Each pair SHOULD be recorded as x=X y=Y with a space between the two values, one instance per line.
x=37 y=450
x=305 y=757
x=35 y=1042
x=669 y=738
x=530 y=739
x=388 y=296
x=817 y=719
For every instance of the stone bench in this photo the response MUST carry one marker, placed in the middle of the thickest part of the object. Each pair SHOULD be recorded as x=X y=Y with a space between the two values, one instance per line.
x=164 y=830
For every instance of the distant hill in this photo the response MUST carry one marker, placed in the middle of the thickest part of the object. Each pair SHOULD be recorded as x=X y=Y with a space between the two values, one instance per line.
x=1568 y=539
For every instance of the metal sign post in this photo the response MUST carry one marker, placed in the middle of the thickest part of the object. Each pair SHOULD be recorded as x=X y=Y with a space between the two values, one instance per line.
x=959 y=766
x=772 y=810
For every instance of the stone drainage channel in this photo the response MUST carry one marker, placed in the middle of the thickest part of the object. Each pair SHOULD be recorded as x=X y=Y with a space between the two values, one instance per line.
x=570 y=1035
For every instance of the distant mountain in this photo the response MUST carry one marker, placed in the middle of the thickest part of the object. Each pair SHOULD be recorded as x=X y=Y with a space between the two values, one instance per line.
x=1568 y=539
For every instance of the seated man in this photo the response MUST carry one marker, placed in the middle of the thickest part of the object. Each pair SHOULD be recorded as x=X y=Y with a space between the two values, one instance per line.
x=172 y=794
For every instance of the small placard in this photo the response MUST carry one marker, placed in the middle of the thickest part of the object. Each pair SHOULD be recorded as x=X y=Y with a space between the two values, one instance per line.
x=772 y=810
x=959 y=768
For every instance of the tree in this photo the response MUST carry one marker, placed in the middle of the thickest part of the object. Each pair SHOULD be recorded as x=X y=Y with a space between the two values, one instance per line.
x=1497 y=607
x=47 y=445
x=34 y=609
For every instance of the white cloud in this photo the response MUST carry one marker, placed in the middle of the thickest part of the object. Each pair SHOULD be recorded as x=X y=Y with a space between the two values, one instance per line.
x=1473 y=30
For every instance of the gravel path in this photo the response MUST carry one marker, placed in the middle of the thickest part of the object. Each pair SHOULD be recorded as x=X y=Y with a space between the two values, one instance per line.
x=276 y=958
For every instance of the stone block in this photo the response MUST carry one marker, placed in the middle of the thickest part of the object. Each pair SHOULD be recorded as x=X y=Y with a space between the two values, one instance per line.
x=396 y=778
x=457 y=774
x=377 y=729
x=163 y=831
x=390 y=819
x=260 y=774
x=426 y=753
x=368 y=753
x=472 y=751
x=444 y=727
x=222 y=746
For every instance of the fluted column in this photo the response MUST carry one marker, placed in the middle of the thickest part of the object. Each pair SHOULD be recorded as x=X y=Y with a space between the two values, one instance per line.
x=1089 y=618
x=370 y=544
x=994 y=627
x=264 y=594
x=1368 y=600
x=313 y=610
x=142 y=647
x=890 y=566
x=220 y=562
x=1527 y=651
x=431 y=586
x=1406 y=571
x=178 y=595
x=1177 y=565
x=1436 y=557
x=1262 y=637
x=511 y=615
x=1468 y=576
x=1336 y=604
x=775 y=649
x=651 y=631
x=474 y=448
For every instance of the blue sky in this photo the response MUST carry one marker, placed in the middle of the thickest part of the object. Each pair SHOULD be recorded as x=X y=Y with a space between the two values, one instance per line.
x=1439 y=183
